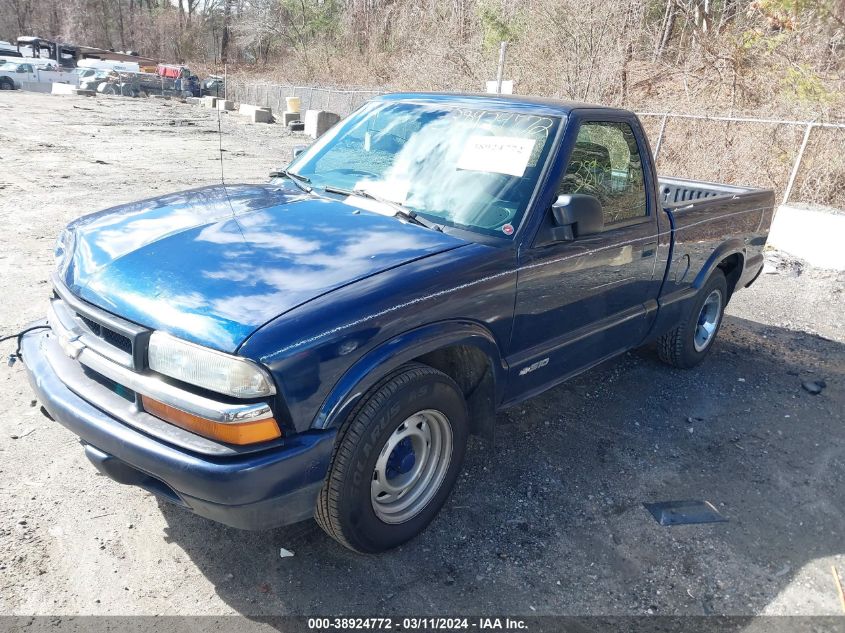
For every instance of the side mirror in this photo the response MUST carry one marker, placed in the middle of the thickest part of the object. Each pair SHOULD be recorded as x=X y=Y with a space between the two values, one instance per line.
x=297 y=150
x=575 y=215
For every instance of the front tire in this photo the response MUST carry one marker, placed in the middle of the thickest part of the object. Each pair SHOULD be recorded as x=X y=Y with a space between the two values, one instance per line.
x=689 y=343
x=396 y=460
x=6 y=84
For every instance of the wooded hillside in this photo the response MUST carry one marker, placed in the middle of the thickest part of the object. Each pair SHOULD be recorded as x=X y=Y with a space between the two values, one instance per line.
x=784 y=57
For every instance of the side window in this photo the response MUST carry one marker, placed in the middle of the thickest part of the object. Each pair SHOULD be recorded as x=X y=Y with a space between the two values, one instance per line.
x=606 y=163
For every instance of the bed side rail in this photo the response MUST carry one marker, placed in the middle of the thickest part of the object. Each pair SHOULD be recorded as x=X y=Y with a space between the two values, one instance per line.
x=679 y=190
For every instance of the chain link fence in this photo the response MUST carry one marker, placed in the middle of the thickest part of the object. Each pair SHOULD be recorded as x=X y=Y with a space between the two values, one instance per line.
x=803 y=161
x=343 y=102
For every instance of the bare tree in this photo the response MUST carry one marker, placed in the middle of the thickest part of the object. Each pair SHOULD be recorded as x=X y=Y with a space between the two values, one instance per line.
x=22 y=10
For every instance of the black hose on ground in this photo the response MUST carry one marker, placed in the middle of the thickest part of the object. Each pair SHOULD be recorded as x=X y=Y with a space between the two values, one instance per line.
x=17 y=355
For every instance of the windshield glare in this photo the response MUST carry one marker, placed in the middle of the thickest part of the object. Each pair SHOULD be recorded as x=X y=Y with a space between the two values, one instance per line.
x=9 y=66
x=458 y=166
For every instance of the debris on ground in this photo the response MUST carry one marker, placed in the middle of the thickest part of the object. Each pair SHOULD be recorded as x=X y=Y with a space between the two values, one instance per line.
x=814 y=387
x=686 y=512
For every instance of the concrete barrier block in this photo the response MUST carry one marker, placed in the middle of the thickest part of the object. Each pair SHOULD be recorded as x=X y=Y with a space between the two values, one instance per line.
x=225 y=104
x=287 y=117
x=62 y=89
x=261 y=116
x=256 y=114
x=194 y=100
x=246 y=109
x=318 y=121
x=812 y=233
x=35 y=86
x=209 y=102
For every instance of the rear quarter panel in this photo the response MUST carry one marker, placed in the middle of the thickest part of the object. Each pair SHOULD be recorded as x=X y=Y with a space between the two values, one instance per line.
x=704 y=234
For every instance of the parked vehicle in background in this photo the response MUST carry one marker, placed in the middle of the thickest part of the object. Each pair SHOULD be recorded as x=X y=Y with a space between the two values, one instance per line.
x=13 y=74
x=91 y=79
x=323 y=345
x=127 y=84
x=213 y=86
x=8 y=50
x=109 y=64
x=33 y=47
x=9 y=75
x=192 y=86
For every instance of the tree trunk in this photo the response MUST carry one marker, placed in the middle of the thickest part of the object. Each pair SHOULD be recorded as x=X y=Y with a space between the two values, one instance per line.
x=667 y=27
x=120 y=24
x=728 y=14
x=224 y=37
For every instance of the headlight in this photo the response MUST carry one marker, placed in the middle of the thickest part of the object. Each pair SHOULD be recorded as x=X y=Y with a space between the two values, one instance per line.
x=207 y=368
x=63 y=250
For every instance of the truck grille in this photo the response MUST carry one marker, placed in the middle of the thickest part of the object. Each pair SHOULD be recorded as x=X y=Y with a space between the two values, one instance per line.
x=113 y=337
x=120 y=341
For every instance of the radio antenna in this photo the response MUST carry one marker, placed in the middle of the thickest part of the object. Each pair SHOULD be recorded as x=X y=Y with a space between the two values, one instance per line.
x=220 y=151
x=219 y=128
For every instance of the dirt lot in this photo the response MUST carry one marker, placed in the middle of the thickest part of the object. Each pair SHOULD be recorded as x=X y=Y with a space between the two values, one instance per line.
x=549 y=521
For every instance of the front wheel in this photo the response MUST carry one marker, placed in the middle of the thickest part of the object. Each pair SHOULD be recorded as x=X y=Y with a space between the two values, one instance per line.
x=6 y=84
x=396 y=460
x=689 y=343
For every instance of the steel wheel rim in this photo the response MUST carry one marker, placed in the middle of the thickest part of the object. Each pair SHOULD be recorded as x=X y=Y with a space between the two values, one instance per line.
x=708 y=321
x=401 y=486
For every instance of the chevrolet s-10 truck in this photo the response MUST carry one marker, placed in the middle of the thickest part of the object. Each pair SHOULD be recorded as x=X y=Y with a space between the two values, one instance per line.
x=323 y=345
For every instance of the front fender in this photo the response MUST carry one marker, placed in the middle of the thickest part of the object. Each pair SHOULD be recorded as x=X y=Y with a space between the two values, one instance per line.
x=401 y=349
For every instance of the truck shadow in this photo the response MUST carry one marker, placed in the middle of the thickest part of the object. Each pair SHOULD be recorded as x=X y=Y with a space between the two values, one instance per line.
x=550 y=520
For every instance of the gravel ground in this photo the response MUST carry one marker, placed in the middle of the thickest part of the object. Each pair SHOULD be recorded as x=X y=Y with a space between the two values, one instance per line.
x=549 y=520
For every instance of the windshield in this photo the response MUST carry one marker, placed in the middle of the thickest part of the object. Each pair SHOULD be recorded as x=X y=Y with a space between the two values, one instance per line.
x=9 y=66
x=469 y=168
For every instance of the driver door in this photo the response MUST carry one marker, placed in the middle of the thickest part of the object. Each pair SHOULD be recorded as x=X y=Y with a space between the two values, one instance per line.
x=584 y=300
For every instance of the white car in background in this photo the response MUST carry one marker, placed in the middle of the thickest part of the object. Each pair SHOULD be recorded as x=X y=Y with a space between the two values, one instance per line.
x=90 y=78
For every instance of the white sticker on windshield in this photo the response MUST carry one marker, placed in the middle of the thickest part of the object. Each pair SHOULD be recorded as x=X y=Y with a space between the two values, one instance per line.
x=497 y=154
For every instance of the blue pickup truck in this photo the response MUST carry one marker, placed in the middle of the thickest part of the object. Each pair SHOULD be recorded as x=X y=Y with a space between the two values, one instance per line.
x=323 y=345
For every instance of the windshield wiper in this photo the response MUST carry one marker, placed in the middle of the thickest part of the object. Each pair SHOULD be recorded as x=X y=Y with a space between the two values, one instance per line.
x=297 y=179
x=400 y=211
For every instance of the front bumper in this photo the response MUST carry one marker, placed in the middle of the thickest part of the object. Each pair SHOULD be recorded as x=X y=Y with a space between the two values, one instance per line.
x=250 y=490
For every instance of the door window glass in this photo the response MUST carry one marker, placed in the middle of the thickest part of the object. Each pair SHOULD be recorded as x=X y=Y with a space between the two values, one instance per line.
x=605 y=163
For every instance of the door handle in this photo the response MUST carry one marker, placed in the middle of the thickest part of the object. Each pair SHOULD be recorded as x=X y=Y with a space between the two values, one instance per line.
x=648 y=249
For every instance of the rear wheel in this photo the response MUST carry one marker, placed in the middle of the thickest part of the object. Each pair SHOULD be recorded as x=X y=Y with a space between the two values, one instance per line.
x=689 y=343
x=396 y=460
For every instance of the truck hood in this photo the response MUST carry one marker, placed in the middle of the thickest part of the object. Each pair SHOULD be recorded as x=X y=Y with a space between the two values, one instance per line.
x=212 y=265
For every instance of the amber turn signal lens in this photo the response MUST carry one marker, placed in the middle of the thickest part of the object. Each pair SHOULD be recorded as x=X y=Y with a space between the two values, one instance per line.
x=239 y=433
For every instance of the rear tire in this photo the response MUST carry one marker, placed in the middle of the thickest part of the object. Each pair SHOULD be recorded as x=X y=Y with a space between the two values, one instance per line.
x=395 y=461
x=690 y=343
